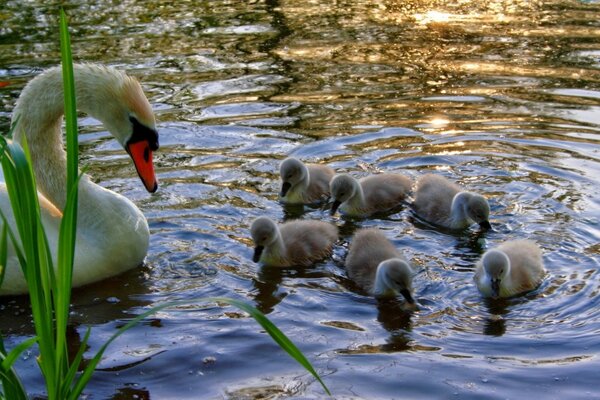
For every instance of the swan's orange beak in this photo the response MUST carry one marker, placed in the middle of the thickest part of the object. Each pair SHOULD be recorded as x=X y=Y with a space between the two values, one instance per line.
x=141 y=154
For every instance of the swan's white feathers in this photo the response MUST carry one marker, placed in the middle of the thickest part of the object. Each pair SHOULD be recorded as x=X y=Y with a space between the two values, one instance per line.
x=112 y=234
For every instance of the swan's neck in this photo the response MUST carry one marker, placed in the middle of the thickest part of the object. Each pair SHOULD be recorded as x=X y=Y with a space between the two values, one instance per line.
x=458 y=210
x=39 y=113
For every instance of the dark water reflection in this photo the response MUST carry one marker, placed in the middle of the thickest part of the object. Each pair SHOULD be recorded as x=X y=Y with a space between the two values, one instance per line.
x=501 y=96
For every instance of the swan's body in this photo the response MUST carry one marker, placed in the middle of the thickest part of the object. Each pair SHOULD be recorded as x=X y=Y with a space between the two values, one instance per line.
x=294 y=243
x=375 y=193
x=304 y=183
x=378 y=267
x=512 y=268
x=112 y=233
x=446 y=204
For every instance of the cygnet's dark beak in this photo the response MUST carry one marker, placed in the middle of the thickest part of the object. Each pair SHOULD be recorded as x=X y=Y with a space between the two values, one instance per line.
x=407 y=296
x=485 y=225
x=334 y=206
x=284 y=188
x=257 y=253
x=496 y=287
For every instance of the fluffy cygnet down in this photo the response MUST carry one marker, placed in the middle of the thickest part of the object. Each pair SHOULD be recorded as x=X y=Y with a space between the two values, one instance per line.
x=375 y=264
x=375 y=193
x=304 y=183
x=446 y=204
x=294 y=243
x=512 y=268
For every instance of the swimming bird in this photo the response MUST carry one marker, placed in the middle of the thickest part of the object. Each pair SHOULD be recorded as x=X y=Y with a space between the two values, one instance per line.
x=294 y=243
x=304 y=183
x=371 y=194
x=514 y=267
x=377 y=266
x=446 y=204
x=112 y=233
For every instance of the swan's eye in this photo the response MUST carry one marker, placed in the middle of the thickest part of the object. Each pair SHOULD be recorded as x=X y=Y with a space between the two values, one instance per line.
x=141 y=132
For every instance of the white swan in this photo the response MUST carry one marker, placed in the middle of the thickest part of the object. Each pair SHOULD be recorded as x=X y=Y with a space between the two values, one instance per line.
x=112 y=233
x=375 y=264
x=371 y=194
x=294 y=243
x=514 y=267
x=446 y=204
x=304 y=183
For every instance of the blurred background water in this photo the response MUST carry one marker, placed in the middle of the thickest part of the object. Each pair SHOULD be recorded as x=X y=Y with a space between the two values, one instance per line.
x=500 y=96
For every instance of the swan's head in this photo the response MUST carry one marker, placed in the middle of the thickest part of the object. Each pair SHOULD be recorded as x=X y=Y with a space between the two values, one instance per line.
x=497 y=267
x=478 y=210
x=118 y=101
x=394 y=276
x=264 y=231
x=342 y=187
x=292 y=172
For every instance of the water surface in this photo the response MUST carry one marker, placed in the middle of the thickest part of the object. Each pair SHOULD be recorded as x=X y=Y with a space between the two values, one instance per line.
x=502 y=97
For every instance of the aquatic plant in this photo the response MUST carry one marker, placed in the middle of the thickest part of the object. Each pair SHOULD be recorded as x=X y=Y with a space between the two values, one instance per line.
x=50 y=291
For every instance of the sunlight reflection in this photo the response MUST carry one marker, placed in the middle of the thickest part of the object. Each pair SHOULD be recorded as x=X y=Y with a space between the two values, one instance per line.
x=432 y=16
x=438 y=122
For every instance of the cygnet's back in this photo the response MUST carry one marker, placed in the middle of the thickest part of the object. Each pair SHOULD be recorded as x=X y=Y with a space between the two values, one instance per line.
x=371 y=194
x=375 y=264
x=446 y=204
x=524 y=273
x=308 y=241
x=304 y=183
x=385 y=191
x=294 y=243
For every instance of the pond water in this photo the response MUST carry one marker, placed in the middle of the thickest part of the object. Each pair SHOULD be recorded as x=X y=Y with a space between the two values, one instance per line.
x=500 y=96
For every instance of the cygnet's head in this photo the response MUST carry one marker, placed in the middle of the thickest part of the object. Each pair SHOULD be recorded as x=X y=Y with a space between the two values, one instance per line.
x=478 y=210
x=342 y=188
x=497 y=266
x=292 y=172
x=394 y=276
x=264 y=231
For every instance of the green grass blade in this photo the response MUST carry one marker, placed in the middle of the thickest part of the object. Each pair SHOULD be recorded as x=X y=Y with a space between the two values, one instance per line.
x=278 y=336
x=3 y=249
x=70 y=101
x=11 y=384
x=74 y=367
x=11 y=357
x=38 y=271
x=68 y=226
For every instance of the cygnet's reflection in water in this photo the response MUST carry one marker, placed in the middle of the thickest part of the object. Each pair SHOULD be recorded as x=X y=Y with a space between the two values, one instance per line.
x=495 y=324
x=268 y=289
x=267 y=292
x=396 y=319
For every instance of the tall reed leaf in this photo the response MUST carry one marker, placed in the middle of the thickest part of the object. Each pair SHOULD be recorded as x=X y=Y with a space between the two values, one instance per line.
x=68 y=226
